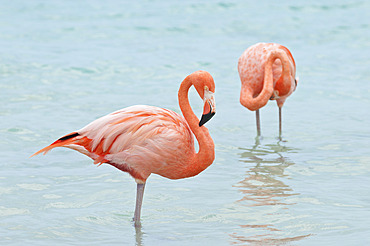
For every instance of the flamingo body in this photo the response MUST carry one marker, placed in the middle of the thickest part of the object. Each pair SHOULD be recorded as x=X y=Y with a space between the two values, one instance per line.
x=139 y=140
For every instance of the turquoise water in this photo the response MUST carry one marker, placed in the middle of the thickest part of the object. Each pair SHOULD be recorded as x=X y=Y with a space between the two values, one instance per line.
x=66 y=63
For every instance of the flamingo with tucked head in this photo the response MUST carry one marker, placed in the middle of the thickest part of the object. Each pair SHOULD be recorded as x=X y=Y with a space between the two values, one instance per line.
x=267 y=72
x=142 y=140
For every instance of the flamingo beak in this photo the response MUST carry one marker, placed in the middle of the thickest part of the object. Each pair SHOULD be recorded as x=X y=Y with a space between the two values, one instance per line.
x=296 y=82
x=209 y=109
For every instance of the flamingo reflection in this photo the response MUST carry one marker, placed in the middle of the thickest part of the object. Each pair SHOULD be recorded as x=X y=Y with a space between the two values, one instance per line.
x=263 y=189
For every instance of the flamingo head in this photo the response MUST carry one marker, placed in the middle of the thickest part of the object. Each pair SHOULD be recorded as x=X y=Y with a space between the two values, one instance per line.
x=209 y=109
x=205 y=86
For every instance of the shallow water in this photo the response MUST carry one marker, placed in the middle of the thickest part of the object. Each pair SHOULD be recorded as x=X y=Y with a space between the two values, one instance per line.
x=64 y=64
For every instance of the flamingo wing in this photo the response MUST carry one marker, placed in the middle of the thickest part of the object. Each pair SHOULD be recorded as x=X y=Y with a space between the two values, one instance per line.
x=138 y=139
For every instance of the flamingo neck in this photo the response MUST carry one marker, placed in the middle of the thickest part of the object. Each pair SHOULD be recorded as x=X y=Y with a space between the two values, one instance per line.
x=282 y=86
x=206 y=153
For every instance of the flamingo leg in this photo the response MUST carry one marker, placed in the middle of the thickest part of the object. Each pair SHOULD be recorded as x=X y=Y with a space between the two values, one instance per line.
x=258 y=122
x=139 y=201
x=280 y=108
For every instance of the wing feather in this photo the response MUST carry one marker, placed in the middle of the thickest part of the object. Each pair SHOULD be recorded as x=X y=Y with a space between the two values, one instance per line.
x=139 y=139
x=144 y=126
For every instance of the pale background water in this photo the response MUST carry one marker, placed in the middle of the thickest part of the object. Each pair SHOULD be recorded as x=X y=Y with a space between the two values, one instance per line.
x=66 y=63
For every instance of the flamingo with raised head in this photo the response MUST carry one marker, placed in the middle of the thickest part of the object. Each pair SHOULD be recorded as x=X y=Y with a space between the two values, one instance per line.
x=267 y=72
x=142 y=140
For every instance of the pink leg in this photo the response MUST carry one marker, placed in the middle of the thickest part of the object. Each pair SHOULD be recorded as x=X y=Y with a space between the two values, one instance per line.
x=258 y=122
x=139 y=201
x=280 y=108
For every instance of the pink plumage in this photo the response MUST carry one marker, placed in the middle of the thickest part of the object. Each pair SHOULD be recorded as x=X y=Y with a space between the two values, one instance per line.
x=267 y=72
x=132 y=139
x=142 y=140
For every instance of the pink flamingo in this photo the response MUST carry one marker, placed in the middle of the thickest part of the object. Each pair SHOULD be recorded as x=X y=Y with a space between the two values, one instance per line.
x=267 y=72
x=142 y=139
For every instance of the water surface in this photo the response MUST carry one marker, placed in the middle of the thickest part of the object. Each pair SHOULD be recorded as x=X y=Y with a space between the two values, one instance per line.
x=64 y=64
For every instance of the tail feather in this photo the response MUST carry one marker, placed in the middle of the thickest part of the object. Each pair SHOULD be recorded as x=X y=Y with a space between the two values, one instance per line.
x=63 y=141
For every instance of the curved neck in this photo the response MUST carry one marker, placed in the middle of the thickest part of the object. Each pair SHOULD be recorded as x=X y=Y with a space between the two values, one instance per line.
x=246 y=94
x=206 y=153
x=284 y=84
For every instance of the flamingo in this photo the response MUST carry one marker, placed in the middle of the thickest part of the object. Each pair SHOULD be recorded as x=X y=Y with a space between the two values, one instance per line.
x=267 y=71
x=142 y=140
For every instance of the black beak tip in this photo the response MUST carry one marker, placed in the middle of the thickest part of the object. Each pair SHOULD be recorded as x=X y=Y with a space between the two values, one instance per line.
x=205 y=118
